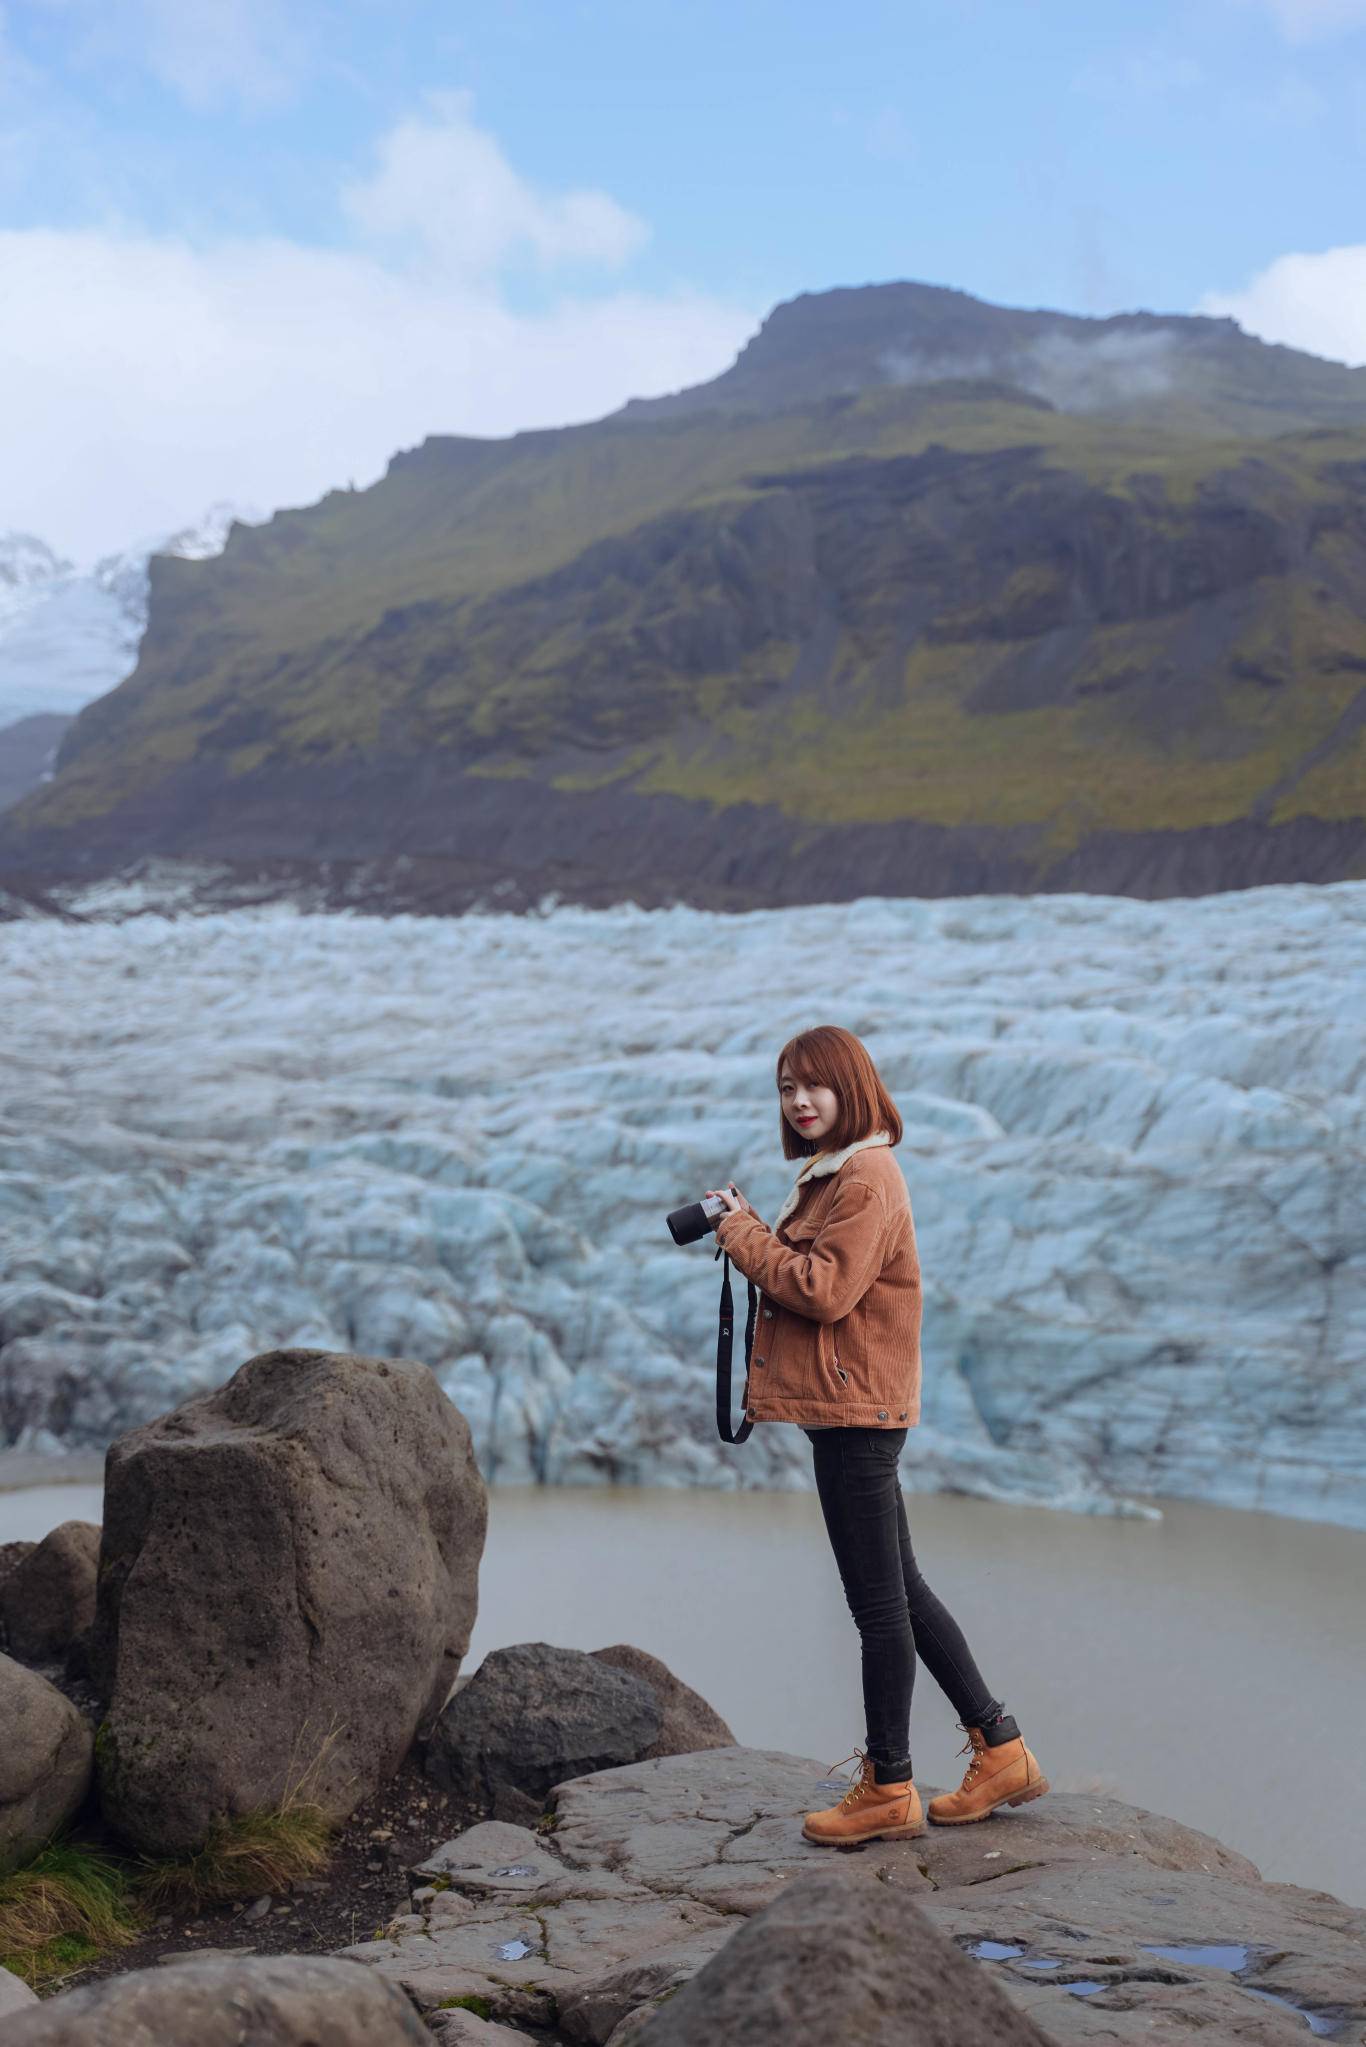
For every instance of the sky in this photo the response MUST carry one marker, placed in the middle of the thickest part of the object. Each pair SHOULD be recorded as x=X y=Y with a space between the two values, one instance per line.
x=249 y=248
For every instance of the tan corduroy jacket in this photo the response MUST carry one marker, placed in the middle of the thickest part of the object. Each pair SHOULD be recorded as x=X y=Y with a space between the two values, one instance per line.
x=837 y=1337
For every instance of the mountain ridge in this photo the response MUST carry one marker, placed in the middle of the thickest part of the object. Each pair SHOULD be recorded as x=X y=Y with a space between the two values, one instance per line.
x=918 y=636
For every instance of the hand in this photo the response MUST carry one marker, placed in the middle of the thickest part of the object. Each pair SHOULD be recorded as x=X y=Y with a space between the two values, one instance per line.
x=733 y=1198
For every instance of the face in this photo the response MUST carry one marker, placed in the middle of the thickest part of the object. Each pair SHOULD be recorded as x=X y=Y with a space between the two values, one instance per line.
x=812 y=1111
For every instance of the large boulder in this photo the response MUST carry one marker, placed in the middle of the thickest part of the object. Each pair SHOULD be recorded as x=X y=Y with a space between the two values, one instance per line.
x=839 y=1958
x=48 y=1599
x=286 y=2001
x=533 y=1715
x=45 y=1761
x=690 y=1724
x=288 y=1581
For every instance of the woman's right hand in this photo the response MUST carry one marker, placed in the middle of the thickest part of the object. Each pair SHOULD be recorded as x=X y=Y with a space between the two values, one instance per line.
x=733 y=1198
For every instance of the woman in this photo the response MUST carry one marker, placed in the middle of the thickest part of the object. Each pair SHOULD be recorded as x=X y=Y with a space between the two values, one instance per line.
x=837 y=1350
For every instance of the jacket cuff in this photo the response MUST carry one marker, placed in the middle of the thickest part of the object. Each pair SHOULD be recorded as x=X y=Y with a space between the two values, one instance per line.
x=733 y=1224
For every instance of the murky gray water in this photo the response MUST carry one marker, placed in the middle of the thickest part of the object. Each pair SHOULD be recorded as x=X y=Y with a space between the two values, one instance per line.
x=1205 y=1665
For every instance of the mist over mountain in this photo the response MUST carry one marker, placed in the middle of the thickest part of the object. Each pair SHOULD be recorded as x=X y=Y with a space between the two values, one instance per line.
x=1174 y=371
x=922 y=596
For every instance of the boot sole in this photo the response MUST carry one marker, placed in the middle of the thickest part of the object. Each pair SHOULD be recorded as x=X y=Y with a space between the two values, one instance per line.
x=970 y=1819
x=857 y=1840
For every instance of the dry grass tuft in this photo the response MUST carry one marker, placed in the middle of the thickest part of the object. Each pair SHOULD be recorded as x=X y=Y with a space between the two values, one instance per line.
x=72 y=1901
x=61 y=1908
x=242 y=1858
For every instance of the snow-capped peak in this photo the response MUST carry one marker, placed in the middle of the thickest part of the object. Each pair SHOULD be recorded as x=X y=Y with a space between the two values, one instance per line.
x=68 y=635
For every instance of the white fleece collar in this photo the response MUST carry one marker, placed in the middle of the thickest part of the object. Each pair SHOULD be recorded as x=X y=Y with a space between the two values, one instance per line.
x=825 y=1162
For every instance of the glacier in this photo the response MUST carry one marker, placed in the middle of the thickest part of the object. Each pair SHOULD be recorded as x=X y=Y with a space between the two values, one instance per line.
x=1135 y=1144
x=68 y=634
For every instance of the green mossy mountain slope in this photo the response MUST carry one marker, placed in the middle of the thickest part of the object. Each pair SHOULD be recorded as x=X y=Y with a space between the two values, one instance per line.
x=924 y=605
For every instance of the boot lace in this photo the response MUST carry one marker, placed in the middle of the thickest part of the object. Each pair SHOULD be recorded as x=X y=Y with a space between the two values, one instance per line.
x=977 y=1749
x=865 y=1776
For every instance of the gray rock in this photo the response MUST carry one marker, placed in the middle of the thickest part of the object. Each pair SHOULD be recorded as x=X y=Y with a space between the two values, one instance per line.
x=514 y=1808
x=289 y=1579
x=724 y=1826
x=492 y=1858
x=458 y=2028
x=48 y=1599
x=533 y=1716
x=690 y=1723
x=1099 y=1919
x=15 y=1994
x=598 y=2008
x=45 y=1761
x=843 y=1958
x=285 y=2001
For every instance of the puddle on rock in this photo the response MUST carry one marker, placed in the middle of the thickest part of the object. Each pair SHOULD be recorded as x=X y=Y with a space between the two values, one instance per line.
x=1315 y=2020
x=512 y=1950
x=1230 y=1958
x=1084 y=1989
x=993 y=1951
x=519 y=1869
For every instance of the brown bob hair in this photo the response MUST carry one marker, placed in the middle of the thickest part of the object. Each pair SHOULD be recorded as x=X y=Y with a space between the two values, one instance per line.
x=829 y=1056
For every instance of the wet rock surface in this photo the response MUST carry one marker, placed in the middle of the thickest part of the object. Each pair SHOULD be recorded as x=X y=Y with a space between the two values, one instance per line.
x=586 y=1930
x=288 y=1583
x=46 y=1748
x=281 y=2002
x=533 y=1715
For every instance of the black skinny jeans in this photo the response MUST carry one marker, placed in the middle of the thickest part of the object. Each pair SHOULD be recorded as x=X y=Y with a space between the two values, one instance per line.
x=896 y=1613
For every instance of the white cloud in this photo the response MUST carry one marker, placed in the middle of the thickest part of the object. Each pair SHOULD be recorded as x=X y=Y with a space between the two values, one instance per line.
x=1313 y=302
x=1303 y=21
x=144 y=377
x=446 y=184
x=204 y=50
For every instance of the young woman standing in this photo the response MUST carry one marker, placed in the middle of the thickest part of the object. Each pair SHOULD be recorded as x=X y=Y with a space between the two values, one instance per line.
x=837 y=1350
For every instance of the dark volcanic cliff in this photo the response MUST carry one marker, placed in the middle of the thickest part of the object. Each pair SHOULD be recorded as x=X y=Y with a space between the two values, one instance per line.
x=775 y=641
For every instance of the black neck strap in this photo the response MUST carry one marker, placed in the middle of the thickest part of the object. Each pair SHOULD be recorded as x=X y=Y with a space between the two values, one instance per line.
x=725 y=1343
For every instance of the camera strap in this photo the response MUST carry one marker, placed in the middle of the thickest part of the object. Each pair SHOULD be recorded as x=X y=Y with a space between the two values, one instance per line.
x=725 y=1344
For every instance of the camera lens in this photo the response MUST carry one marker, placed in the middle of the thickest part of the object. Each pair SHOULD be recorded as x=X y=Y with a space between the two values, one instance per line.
x=689 y=1225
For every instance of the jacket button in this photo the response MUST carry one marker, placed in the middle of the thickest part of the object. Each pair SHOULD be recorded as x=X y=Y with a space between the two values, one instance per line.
x=882 y=1414
x=751 y=1414
x=758 y=1361
x=901 y=1417
x=768 y=1314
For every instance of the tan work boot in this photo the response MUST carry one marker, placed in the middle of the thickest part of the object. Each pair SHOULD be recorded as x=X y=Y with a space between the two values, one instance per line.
x=868 y=1811
x=1007 y=1775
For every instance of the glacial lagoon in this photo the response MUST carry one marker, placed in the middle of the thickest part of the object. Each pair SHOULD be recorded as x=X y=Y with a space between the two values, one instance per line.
x=1204 y=1665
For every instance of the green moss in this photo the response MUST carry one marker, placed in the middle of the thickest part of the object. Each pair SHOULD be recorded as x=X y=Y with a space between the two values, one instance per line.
x=480 y=2006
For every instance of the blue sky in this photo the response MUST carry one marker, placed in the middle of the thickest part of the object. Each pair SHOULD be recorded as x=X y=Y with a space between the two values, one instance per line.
x=247 y=249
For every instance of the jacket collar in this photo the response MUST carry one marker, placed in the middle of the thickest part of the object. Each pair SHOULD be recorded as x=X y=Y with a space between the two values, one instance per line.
x=825 y=1162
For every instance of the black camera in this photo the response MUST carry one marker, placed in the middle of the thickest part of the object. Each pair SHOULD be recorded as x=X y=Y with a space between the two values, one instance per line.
x=689 y=1225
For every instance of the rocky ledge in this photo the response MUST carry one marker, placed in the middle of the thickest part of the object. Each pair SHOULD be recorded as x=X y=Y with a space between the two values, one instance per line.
x=1098 y=1920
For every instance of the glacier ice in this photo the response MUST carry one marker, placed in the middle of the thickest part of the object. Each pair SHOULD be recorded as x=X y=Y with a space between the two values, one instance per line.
x=68 y=634
x=1136 y=1148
